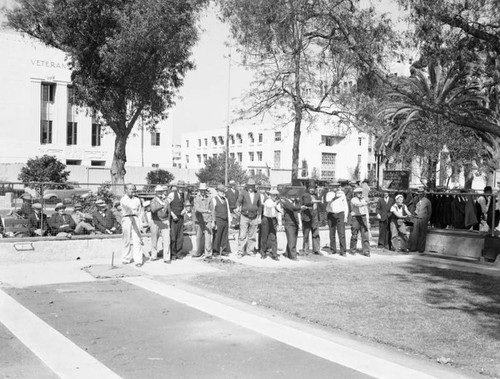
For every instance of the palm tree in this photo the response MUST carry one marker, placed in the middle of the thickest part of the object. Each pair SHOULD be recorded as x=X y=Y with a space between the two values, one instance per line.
x=412 y=120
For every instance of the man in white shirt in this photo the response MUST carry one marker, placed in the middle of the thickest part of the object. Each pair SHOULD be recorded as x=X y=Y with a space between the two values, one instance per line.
x=337 y=212
x=271 y=220
x=132 y=212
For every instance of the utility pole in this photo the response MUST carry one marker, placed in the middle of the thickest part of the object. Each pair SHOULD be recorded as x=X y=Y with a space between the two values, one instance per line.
x=226 y=171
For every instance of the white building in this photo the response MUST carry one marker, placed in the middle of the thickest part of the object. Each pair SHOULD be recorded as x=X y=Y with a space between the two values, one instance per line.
x=330 y=152
x=38 y=116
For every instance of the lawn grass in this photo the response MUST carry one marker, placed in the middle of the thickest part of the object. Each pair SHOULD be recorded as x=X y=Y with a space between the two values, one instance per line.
x=430 y=312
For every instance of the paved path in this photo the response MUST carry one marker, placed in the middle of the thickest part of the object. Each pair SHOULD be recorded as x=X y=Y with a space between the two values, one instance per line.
x=68 y=324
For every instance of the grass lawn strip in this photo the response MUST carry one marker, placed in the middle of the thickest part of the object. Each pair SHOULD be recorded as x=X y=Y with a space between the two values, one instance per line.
x=444 y=315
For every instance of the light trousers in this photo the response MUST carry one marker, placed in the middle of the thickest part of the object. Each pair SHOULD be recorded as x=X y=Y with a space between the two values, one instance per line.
x=160 y=229
x=132 y=247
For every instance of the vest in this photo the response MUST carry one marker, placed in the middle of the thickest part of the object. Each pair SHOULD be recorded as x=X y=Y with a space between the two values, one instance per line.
x=176 y=205
x=220 y=209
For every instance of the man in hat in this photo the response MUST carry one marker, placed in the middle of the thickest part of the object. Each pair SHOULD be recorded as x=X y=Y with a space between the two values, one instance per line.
x=359 y=213
x=291 y=221
x=37 y=221
x=221 y=214
x=26 y=210
x=249 y=207
x=132 y=211
x=337 y=211
x=203 y=222
x=160 y=224
x=61 y=223
x=232 y=195
x=423 y=213
x=176 y=200
x=399 y=213
x=271 y=220
x=104 y=219
x=82 y=220
x=383 y=210
x=310 y=219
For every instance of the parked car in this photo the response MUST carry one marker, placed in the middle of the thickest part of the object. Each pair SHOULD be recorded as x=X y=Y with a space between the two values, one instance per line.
x=59 y=192
x=7 y=187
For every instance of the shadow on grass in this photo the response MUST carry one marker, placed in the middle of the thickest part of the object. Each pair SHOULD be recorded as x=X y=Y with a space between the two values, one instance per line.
x=475 y=294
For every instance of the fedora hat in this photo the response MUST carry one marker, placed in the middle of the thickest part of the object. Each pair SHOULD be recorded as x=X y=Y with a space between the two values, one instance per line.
x=60 y=206
x=100 y=203
x=203 y=187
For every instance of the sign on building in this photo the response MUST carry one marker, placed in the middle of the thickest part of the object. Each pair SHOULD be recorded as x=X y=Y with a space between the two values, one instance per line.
x=396 y=179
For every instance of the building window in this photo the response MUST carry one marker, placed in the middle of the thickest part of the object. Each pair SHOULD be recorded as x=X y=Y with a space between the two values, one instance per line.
x=199 y=158
x=206 y=141
x=260 y=137
x=221 y=140
x=71 y=95
x=214 y=155
x=45 y=132
x=277 y=136
x=187 y=159
x=250 y=137
x=214 y=140
x=251 y=172
x=187 y=143
x=71 y=132
x=157 y=165
x=259 y=171
x=199 y=142
x=239 y=138
x=251 y=156
x=155 y=138
x=259 y=156
x=73 y=162
x=48 y=92
x=304 y=172
x=328 y=165
x=240 y=157
x=96 y=135
x=231 y=139
x=205 y=157
x=231 y=155
x=98 y=163
x=277 y=158
x=360 y=141
x=331 y=140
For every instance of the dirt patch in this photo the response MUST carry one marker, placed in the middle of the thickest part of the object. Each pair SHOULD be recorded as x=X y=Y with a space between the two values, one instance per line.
x=111 y=272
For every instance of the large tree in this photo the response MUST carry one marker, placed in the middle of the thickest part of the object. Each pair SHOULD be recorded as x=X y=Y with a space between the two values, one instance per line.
x=214 y=171
x=302 y=53
x=128 y=57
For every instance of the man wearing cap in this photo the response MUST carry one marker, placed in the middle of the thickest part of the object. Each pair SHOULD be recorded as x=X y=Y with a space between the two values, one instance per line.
x=310 y=219
x=383 y=210
x=292 y=222
x=249 y=207
x=423 y=213
x=132 y=211
x=104 y=219
x=176 y=201
x=160 y=224
x=221 y=214
x=61 y=223
x=337 y=211
x=37 y=221
x=399 y=213
x=271 y=220
x=203 y=222
x=82 y=220
x=359 y=213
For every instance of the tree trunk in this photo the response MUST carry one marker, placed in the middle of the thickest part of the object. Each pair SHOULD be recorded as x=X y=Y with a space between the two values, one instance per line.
x=118 y=166
x=468 y=176
x=431 y=174
x=296 y=143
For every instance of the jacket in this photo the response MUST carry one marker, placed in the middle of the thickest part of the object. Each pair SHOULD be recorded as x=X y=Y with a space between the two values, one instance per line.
x=384 y=209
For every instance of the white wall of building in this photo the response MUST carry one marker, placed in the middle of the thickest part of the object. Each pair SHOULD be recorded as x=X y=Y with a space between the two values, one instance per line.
x=24 y=66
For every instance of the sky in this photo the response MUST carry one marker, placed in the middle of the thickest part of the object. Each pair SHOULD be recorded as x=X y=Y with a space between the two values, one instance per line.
x=215 y=86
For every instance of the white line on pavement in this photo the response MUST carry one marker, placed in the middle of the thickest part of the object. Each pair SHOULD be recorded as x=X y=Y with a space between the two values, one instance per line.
x=61 y=355
x=345 y=356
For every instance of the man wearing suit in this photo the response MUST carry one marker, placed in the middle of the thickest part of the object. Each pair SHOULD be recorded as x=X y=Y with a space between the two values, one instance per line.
x=61 y=222
x=383 y=210
x=37 y=221
x=310 y=219
x=221 y=219
x=104 y=219
x=249 y=207
x=176 y=201
x=292 y=222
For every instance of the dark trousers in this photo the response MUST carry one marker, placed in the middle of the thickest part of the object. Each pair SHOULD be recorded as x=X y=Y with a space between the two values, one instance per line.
x=336 y=225
x=268 y=228
x=311 y=227
x=221 y=241
x=176 y=236
x=418 y=235
x=358 y=224
x=291 y=232
x=384 y=234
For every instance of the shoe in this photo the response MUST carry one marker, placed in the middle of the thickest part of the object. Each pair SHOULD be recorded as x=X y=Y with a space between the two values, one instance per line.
x=138 y=265
x=151 y=259
x=275 y=258
x=208 y=257
x=294 y=259
x=263 y=256
x=367 y=254
x=318 y=253
x=239 y=256
x=126 y=262
x=168 y=261
x=196 y=255
x=352 y=252
x=342 y=254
